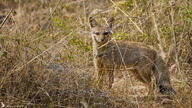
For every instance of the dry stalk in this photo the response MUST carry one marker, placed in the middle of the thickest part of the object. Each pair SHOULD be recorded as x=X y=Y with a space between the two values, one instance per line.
x=162 y=52
x=174 y=38
x=6 y=18
x=127 y=15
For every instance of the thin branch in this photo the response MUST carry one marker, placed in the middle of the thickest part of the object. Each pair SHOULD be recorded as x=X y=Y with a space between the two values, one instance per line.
x=127 y=15
x=6 y=18
x=162 y=52
x=174 y=37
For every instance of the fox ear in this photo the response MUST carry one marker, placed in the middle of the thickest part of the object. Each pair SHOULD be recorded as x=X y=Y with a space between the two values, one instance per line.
x=111 y=22
x=92 y=22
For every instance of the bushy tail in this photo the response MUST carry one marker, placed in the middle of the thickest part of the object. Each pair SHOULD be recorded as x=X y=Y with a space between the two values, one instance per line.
x=162 y=76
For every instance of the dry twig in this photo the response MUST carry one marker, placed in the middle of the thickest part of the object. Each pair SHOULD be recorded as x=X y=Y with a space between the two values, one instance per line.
x=127 y=15
x=174 y=37
x=162 y=53
x=6 y=18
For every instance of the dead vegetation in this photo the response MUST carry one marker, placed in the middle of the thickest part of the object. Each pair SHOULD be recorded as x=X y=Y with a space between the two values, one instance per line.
x=46 y=54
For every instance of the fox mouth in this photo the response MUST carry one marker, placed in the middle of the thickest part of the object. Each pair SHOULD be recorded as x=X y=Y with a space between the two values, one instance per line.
x=100 y=40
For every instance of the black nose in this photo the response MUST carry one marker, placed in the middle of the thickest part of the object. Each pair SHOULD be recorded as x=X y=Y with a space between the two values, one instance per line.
x=102 y=39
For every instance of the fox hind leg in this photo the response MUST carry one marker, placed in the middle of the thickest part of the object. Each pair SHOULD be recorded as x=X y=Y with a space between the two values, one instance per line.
x=144 y=73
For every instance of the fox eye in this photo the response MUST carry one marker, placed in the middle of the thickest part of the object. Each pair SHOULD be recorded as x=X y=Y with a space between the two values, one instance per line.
x=105 y=33
x=97 y=33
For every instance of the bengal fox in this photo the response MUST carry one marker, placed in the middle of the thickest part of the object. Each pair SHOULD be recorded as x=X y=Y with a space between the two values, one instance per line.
x=143 y=60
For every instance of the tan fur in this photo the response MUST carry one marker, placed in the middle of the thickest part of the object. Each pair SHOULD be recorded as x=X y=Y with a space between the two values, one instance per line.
x=143 y=59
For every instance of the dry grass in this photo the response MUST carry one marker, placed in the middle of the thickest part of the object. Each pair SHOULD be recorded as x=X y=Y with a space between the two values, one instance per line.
x=46 y=53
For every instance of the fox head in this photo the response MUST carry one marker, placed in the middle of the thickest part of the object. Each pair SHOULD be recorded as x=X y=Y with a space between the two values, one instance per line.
x=101 y=33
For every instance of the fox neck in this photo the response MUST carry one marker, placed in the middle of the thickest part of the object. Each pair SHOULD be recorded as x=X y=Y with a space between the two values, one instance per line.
x=97 y=48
